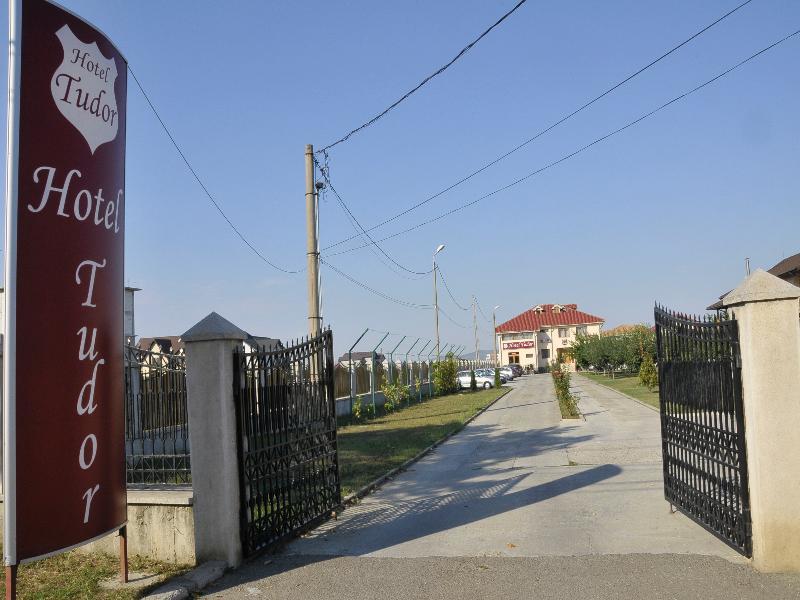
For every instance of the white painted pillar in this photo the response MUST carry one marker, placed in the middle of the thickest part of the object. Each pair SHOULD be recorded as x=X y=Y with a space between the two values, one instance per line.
x=212 y=436
x=766 y=309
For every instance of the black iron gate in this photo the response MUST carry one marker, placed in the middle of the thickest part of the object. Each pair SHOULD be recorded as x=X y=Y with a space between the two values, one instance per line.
x=702 y=423
x=286 y=426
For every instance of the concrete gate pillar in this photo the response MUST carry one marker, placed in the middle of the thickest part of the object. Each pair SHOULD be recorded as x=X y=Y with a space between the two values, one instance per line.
x=212 y=436
x=768 y=313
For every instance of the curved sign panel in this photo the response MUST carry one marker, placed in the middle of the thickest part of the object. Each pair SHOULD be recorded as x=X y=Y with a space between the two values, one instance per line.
x=64 y=465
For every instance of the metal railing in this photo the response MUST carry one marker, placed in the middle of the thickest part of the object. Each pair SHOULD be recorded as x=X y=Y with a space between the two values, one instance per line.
x=156 y=419
x=286 y=430
x=702 y=424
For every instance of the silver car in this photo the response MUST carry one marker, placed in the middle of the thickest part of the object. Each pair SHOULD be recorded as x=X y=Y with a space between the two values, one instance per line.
x=464 y=380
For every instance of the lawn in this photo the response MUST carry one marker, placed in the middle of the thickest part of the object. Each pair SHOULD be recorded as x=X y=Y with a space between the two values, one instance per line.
x=77 y=575
x=627 y=384
x=368 y=450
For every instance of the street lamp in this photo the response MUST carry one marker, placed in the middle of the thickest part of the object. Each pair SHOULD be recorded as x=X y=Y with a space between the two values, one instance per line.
x=494 y=334
x=436 y=300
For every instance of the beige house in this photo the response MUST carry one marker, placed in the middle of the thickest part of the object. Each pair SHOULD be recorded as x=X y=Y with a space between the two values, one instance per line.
x=541 y=335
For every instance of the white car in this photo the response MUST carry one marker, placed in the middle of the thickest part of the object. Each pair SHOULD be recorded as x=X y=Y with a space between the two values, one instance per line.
x=465 y=379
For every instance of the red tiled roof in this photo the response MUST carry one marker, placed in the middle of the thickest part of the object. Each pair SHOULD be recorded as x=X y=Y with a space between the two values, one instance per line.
x=531 y=320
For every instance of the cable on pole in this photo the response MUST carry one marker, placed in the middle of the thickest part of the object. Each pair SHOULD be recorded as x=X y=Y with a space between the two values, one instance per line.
x=449 y=293
x=439 y=71
x=549 y=127
x=355 y=222
x=203 y=185
x=380 y=294
x=581 y=149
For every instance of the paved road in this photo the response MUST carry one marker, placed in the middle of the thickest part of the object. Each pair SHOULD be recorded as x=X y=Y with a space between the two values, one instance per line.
x=519 y=501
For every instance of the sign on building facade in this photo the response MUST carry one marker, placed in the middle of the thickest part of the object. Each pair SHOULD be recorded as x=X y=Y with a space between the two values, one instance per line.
x=64 y=461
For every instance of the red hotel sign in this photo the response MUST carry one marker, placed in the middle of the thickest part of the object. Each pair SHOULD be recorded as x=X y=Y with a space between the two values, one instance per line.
x=516 y=345
x=64 y=480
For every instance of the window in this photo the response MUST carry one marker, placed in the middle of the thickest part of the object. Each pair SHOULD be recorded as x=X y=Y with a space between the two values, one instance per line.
x=562 y=332
x=513 y=358
x=529 y=356
x=581 y=330
x=545 y=353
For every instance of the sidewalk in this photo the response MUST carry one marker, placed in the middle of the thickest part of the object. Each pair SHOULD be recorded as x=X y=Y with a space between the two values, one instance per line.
x=516 y=499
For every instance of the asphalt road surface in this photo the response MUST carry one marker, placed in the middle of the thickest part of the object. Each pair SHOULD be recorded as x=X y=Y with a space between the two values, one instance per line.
x=520 y=504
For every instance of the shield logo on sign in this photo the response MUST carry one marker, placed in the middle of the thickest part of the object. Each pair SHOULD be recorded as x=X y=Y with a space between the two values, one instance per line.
x=83 y=89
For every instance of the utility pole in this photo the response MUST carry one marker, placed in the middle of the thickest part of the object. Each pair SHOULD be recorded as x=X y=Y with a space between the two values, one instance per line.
x=494 y=335
x=312 y=246
x=436 y=301
x=475 y=326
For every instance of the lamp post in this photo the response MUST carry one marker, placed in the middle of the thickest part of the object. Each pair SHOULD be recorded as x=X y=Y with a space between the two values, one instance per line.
x=436 y=300
x=494 y=334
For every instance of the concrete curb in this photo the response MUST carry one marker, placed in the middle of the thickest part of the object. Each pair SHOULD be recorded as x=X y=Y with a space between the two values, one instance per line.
x=645 y=404
x=189 y=583
x=375 y=484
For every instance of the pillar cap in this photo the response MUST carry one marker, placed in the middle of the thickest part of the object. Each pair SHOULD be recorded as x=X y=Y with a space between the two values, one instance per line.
x=213 y=327
x=761 y=286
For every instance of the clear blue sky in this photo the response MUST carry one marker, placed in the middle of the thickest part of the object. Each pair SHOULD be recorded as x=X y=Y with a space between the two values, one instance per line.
x=666 y=211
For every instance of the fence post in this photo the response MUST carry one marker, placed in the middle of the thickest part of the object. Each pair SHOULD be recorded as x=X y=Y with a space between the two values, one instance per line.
x=213 y=438
x=766 y=309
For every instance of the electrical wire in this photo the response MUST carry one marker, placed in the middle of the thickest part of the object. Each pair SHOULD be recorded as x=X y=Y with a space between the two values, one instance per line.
x=449 y=293
x=480 y=310
x=549 y=127
x=439 y=71
x=452 y=320
x=203 y=185
x=579 y=150
x=355 y=222
x=364 y=286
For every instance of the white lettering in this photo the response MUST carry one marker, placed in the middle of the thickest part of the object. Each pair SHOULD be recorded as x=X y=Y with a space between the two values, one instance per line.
x=120 y=198
x=48 y=187
x=99 y=197
x=88 y=495
x=82 y=352
x=82 y=454
x=91 y=406
x=94 y=265
x=81 y=216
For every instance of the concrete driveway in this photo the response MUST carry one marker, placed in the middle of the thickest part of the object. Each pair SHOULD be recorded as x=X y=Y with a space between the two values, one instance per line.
x=520 y=485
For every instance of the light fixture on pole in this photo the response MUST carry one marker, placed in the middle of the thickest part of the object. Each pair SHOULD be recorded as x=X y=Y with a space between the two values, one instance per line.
x=436 y=300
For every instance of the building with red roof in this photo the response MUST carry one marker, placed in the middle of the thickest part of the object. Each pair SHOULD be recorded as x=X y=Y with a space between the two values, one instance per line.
x=542 y=334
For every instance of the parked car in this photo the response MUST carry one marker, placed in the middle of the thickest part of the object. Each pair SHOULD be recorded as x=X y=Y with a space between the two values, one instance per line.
x=464 y=380
x=516 y=369
x=508 y=372
x=489 y=373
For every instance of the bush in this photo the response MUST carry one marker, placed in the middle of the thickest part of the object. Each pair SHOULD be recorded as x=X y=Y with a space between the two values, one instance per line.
x=648 y=374
x=444 y=375
x=395 y=394
x=473 y=384
x=566 y=401
x=497 y=381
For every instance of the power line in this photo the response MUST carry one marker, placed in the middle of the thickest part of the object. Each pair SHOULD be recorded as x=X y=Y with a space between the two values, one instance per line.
x=581 y=149
x=449 y=293
x=483 y=314
x=439 y=71
x=200 y=182
x=364 y=286
x=549 y=127
x=451 y=319
x=355 y=222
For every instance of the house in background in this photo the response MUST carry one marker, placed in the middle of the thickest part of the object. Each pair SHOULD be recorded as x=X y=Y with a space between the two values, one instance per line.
x=358 y=357
x=788 y=269
x=129 y=323
x=543 y=334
